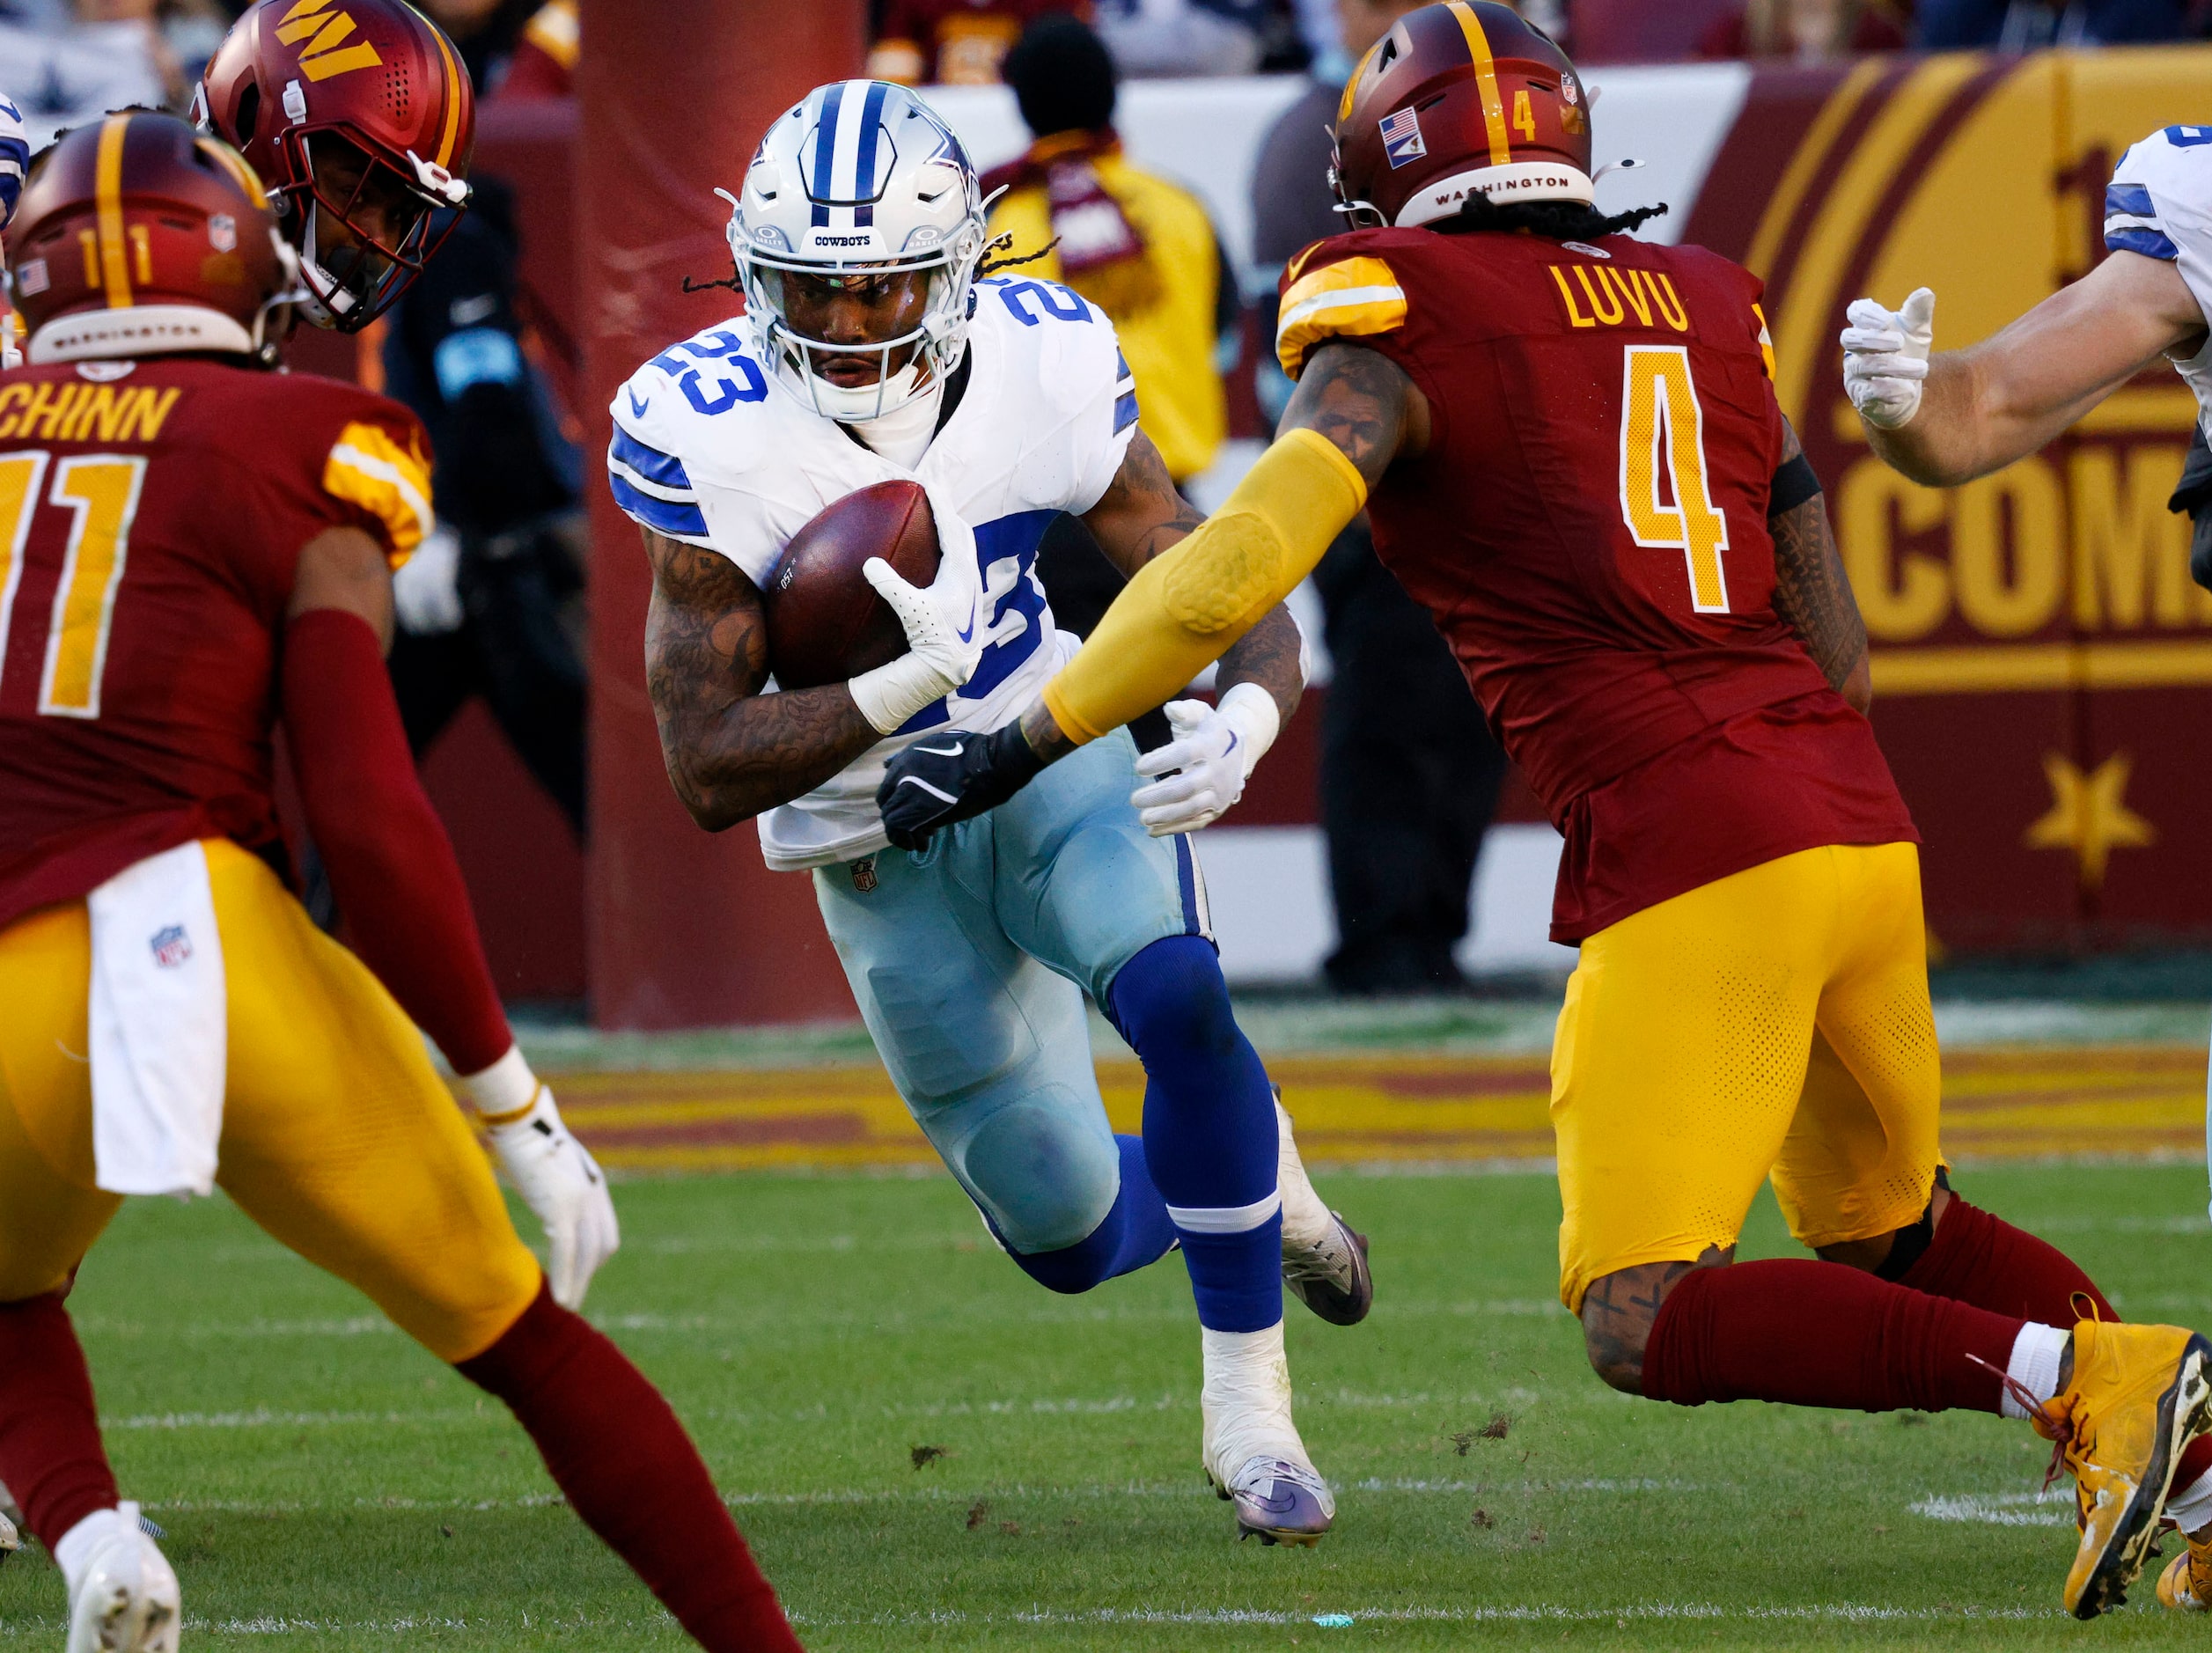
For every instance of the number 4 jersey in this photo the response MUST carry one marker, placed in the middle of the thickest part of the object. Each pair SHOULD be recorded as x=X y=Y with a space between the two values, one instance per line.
x=1588 y=527
x=151 y=515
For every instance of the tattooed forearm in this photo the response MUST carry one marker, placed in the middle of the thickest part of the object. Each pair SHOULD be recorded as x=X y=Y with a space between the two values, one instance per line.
x=1813 y=593
x=730 y=751
x=1363 y=402
x=1270 y=654
x=1618 y=1310
x=1044 y=734
x=1142 y=513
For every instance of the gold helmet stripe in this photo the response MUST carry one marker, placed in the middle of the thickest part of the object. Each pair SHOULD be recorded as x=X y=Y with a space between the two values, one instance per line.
x=235 y=164
x=107 y=200
x=1485 y=80
x=1344 y=103
x=455 y=85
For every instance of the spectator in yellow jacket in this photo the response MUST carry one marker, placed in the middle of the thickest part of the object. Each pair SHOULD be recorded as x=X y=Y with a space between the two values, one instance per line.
x=1136 y=246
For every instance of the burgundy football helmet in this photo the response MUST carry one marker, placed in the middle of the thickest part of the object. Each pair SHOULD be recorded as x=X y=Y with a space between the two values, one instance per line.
x=138 y=236
x=359 y=114
x=1461 y=98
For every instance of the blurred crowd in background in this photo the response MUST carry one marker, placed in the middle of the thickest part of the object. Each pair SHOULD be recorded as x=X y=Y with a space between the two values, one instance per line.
x=68 y=61
x=963 y=42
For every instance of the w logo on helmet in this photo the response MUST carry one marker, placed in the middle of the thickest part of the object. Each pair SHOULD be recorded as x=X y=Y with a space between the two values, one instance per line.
x=328 y=53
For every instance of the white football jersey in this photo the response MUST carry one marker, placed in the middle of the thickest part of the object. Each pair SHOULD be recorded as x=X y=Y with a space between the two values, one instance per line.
x=15 y=157
x=711 y=448
x=2159 y=204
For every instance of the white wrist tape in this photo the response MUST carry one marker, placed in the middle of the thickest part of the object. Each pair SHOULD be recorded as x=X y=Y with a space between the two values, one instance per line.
x=507 y=1086
x=890 y=695
x=1252 y=710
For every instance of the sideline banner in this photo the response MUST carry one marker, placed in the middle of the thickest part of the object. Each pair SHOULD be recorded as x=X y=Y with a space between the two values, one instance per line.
x=2041 y=658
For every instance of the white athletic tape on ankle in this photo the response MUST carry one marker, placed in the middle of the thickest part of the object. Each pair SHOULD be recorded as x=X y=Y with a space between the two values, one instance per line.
x=2036 y=1354
x=1225 y=1219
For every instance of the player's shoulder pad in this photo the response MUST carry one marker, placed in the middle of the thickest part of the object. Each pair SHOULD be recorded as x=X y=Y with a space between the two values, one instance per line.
x=699 y=405
x=2165 y=178
x=15 y=157
x=378 y=461
x=1345 y=287
x=1070 y=354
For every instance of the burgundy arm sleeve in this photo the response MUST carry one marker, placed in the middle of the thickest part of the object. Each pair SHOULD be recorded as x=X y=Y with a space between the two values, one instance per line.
x=391 y=866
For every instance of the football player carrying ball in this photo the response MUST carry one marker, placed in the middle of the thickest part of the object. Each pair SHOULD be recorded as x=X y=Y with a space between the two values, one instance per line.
x=200 y=549
x=877 y=348
x=1569 y=447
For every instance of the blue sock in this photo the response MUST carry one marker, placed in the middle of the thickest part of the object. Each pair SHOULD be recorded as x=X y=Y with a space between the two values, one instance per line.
x=1209 y=1129
x=1136 y=1232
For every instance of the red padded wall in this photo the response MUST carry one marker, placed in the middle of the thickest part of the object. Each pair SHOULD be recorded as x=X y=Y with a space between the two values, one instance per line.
x=685 y=930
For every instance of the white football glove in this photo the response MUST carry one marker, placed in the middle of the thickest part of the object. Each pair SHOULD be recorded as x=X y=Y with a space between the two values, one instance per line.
x=1213 y=754
x=1885 y=358
x=944 y=624
x=426 y=592
x=550 y=1169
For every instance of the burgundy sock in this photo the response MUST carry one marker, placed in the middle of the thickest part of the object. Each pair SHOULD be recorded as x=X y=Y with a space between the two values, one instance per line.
x=1976 y=1257
x=1820 y=1335
x=615 y=1448
x=50 y=1455
x=1980 y=1259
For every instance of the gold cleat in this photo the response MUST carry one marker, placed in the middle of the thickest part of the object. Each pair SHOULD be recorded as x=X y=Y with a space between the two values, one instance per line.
x=2138 y=1395
x=2187 y=1584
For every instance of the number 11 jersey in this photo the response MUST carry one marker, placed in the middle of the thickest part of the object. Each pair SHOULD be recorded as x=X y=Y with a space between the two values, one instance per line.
x=151 y=517
x=1588 y=529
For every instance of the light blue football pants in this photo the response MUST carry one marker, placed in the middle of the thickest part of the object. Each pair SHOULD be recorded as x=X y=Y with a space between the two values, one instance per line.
x=968 y=961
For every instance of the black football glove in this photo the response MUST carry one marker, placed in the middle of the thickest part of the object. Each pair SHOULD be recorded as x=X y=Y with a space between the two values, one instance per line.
x=941 y=779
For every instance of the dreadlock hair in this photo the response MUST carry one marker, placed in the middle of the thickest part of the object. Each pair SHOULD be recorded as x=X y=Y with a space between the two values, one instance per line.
x=1560 y=220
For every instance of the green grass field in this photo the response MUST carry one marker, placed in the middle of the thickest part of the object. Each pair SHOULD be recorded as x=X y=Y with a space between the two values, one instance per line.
x=325 y=1484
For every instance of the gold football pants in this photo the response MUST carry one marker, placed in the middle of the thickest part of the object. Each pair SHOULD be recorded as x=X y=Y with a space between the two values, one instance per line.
x=1773 y=1023
x=338 y=1136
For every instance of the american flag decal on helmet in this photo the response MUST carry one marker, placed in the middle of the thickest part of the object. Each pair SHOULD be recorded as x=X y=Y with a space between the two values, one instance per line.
x=1401 y=137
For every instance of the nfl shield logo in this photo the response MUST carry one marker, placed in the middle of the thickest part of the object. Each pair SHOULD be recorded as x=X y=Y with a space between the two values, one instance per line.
x=1401 y=137
x=865 y=874
x=172 y=946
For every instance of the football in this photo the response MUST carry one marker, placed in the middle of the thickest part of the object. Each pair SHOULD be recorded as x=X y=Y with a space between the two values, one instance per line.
x=824 y=621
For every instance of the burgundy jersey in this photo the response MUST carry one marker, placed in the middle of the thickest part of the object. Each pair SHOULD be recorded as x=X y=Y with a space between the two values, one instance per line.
x=1588 y=527
x=150 y=518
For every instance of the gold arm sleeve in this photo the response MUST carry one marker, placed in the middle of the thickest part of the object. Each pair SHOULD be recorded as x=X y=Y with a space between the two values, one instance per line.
x=1184 y=609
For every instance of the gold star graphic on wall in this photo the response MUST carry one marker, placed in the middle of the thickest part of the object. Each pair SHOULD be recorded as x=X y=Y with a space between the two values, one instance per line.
x=2089 y=815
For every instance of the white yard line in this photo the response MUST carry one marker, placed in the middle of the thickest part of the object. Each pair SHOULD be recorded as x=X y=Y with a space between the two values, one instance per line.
x=1337 y=1617
x=2053 y=1509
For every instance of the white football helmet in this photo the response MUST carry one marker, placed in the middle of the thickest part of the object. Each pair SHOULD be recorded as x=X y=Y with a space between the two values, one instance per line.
x=861 y=177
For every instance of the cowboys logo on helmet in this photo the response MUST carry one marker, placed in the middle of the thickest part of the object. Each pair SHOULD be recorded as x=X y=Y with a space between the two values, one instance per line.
x=858 y=182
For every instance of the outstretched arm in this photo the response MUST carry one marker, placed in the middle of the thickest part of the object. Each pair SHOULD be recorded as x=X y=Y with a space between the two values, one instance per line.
x=1200 y=774
x=732 y=751
x=1981 y=409
x=1355 y=412
x=1813 y=593
x=1142 y=516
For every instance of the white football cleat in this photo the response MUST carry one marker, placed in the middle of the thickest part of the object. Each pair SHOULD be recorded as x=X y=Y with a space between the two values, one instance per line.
x=1324 y=1257
x=1251 y=1448
x=126 y=1599
x=10 y=1540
